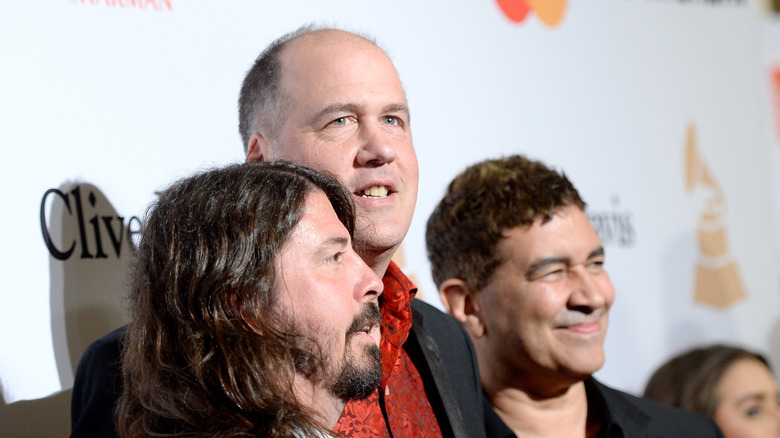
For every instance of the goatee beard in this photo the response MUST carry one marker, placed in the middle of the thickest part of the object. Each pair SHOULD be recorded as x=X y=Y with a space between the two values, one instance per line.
x=356 y=382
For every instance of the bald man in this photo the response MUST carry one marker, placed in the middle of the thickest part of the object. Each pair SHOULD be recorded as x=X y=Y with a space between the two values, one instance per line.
x=332 y=100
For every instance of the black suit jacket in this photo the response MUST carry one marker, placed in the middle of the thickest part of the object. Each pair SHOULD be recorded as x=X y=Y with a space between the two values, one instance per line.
x=626 y=416
x=439 y=347
x=97 y=387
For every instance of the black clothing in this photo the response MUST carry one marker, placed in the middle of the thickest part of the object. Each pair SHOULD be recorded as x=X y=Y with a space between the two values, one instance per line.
x=626 y=416
x=438 y=346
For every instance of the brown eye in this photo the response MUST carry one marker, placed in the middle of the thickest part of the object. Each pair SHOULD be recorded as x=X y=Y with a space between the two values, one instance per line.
x=336 y=257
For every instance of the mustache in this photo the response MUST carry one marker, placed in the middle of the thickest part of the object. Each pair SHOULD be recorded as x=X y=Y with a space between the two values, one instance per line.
x=580 y=316
x=370 y=317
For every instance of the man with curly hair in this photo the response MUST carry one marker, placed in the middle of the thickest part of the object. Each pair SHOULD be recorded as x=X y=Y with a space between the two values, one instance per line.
x=518 y=263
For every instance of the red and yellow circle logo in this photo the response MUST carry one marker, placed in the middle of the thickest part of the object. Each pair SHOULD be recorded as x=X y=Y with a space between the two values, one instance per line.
x=550 y=12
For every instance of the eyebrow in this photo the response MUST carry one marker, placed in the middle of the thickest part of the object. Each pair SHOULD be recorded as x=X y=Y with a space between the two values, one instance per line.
x=534 y=269
x=755 y=396
x=397 y=108
x=331 y=242
x=598 y=252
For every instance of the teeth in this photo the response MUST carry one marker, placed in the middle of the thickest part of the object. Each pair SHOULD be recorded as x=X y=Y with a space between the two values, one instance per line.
x=375 y=191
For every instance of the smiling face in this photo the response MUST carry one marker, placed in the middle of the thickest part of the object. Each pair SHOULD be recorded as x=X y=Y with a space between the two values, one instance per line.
x=330 y=294
x=748 y=401
x=347 y=115
x=545 y=308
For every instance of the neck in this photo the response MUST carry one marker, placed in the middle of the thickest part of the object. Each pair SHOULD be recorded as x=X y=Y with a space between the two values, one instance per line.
x=563 y=414
x=378 y=260
x=325 y=407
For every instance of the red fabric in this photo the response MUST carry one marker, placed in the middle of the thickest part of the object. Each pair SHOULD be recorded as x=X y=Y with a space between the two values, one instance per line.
x=408 y=411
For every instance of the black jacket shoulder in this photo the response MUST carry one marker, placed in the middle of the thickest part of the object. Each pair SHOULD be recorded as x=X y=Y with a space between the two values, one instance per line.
x=639 y=417
x=97 y=387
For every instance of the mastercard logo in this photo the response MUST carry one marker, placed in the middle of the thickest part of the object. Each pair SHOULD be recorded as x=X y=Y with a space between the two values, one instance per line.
x=550 y=12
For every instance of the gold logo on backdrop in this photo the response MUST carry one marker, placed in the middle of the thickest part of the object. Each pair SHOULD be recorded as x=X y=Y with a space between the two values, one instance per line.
x=718 y=282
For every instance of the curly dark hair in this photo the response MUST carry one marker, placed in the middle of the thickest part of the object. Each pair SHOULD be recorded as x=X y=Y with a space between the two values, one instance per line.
x=689 y=380
x=482 y=202
x=206 y=352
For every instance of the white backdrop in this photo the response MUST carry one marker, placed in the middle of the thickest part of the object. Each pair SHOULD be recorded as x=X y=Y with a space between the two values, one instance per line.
x=115 y=98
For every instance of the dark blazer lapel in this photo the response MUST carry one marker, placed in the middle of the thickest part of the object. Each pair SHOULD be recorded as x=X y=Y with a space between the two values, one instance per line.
x=421 y=341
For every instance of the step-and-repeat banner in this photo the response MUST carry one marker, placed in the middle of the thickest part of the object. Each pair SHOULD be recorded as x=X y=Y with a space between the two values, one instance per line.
x=665 y=113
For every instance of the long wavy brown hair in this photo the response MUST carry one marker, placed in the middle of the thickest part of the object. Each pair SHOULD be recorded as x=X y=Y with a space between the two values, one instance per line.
x=206 y=352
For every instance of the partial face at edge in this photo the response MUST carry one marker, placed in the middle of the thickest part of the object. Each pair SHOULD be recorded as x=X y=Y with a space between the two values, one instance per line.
x=348 y=115
x=748 y=406
x=331 y=295
x=546 y=307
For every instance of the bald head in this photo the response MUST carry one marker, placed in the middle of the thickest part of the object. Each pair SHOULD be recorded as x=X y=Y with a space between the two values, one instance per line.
x=327 y=36
x=263 y=102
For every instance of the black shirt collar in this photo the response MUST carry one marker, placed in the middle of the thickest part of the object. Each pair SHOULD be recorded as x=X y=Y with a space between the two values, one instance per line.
x=496 y=428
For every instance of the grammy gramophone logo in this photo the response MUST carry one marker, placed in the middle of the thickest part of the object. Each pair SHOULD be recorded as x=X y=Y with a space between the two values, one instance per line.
x=718 y=282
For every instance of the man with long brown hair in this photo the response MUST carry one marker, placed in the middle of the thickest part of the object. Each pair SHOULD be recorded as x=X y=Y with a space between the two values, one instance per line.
x=252 y=315
x=332 y=100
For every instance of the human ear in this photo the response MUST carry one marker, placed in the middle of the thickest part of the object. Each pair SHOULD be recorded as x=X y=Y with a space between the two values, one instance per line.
x=257 y=149
x=460 y=300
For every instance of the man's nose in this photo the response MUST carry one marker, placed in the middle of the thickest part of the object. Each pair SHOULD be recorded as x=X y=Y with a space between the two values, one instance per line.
x=588 y=292
x=376 y=147
x=370 y=286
